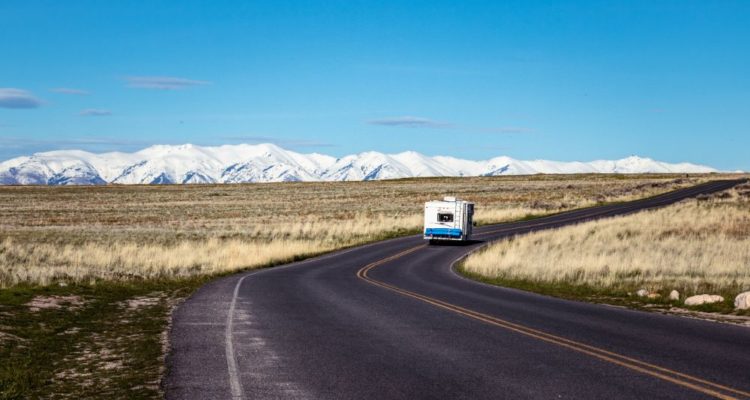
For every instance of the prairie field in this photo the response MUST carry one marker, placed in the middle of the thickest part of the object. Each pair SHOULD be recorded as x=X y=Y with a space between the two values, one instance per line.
x=696 y=246
x=122 y=233
x=89 y=275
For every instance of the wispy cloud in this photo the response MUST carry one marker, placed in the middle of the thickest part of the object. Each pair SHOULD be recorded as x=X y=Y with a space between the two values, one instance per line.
x=507 y=129
x=82 y=141
x=424 y=69
x=23 y=146
x=63 y=90
x=420 y=122
x=162 y=82
x=485 y=147
x=94 y=112
x=283 y=142
x=18 y=98
x=409 y=121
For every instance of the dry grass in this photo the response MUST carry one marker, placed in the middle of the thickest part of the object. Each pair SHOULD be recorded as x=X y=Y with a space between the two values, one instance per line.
x=139 y=232
x=107 y=339
x=697 y=246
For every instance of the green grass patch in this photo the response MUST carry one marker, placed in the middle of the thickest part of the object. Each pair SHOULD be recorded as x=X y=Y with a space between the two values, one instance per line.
x=102 y=340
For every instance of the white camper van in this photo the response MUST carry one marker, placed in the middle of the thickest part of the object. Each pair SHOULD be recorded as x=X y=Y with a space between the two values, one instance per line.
x=449 y=219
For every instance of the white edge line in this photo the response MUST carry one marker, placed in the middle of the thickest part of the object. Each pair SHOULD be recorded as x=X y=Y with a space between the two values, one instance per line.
x=234 y=380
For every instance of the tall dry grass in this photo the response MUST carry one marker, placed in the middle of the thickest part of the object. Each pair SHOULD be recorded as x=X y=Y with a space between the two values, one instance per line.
x=43 y=263
x=140 y=232
x=695 y=246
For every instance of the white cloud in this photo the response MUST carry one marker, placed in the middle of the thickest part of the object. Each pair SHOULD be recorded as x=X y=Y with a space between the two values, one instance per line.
x=85 y=143
x=420 y=122
x=410 y=122
x=508 y=129
x=94 y=112
x=162 y=82
x=79 y=92
x=18 y=98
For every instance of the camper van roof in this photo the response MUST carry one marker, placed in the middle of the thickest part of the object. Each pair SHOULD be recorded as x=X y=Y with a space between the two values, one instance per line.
x=449 y=198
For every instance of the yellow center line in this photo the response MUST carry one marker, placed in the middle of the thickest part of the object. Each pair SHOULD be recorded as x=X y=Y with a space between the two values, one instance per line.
x=678 y=378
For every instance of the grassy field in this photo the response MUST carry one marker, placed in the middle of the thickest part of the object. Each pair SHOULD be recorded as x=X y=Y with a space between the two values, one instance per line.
x=89 y=275
x=121 y=233
x=697 y=246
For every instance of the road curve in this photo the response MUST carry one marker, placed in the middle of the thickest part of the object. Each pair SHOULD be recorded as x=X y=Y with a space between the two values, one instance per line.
x=392 y=320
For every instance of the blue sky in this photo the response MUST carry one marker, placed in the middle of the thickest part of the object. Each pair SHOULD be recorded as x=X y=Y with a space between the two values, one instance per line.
x=559 y=80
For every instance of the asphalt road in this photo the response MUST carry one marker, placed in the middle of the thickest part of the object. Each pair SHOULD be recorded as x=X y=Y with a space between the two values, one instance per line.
x=392 y=320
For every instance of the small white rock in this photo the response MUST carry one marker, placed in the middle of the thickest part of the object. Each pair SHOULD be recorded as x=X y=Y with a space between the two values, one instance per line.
x=642 y=293
x=703 y=299
x=742 y=301
x=674 y=295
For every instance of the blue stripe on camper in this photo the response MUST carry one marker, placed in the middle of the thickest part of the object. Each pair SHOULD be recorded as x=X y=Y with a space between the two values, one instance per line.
x=449 y=232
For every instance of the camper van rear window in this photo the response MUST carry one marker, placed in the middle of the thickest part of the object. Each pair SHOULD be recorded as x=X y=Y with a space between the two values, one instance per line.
x=445 y=217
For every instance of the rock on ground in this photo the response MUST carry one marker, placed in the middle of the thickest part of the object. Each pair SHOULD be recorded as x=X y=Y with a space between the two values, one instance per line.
x=674 y=295
x=703 y=299
x=642 y=293
x=742 y=301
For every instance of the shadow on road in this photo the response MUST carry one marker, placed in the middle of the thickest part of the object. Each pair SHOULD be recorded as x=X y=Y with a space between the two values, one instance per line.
x=454 y=243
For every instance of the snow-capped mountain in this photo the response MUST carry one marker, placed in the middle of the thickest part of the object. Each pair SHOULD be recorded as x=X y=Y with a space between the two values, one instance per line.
x=164 y=164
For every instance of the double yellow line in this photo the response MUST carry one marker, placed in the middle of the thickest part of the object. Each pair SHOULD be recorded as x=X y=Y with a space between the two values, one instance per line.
x=688 y=381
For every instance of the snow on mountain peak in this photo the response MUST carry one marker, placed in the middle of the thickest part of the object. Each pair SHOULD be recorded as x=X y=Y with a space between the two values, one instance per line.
x=189 y=163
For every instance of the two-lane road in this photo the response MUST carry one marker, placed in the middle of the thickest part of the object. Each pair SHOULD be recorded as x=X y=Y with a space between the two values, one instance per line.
x=393 y=320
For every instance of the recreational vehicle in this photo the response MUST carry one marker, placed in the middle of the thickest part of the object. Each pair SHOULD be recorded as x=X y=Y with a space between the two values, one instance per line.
x=449 y=219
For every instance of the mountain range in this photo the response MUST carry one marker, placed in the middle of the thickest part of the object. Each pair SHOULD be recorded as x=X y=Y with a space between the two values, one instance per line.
x=167 y=164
